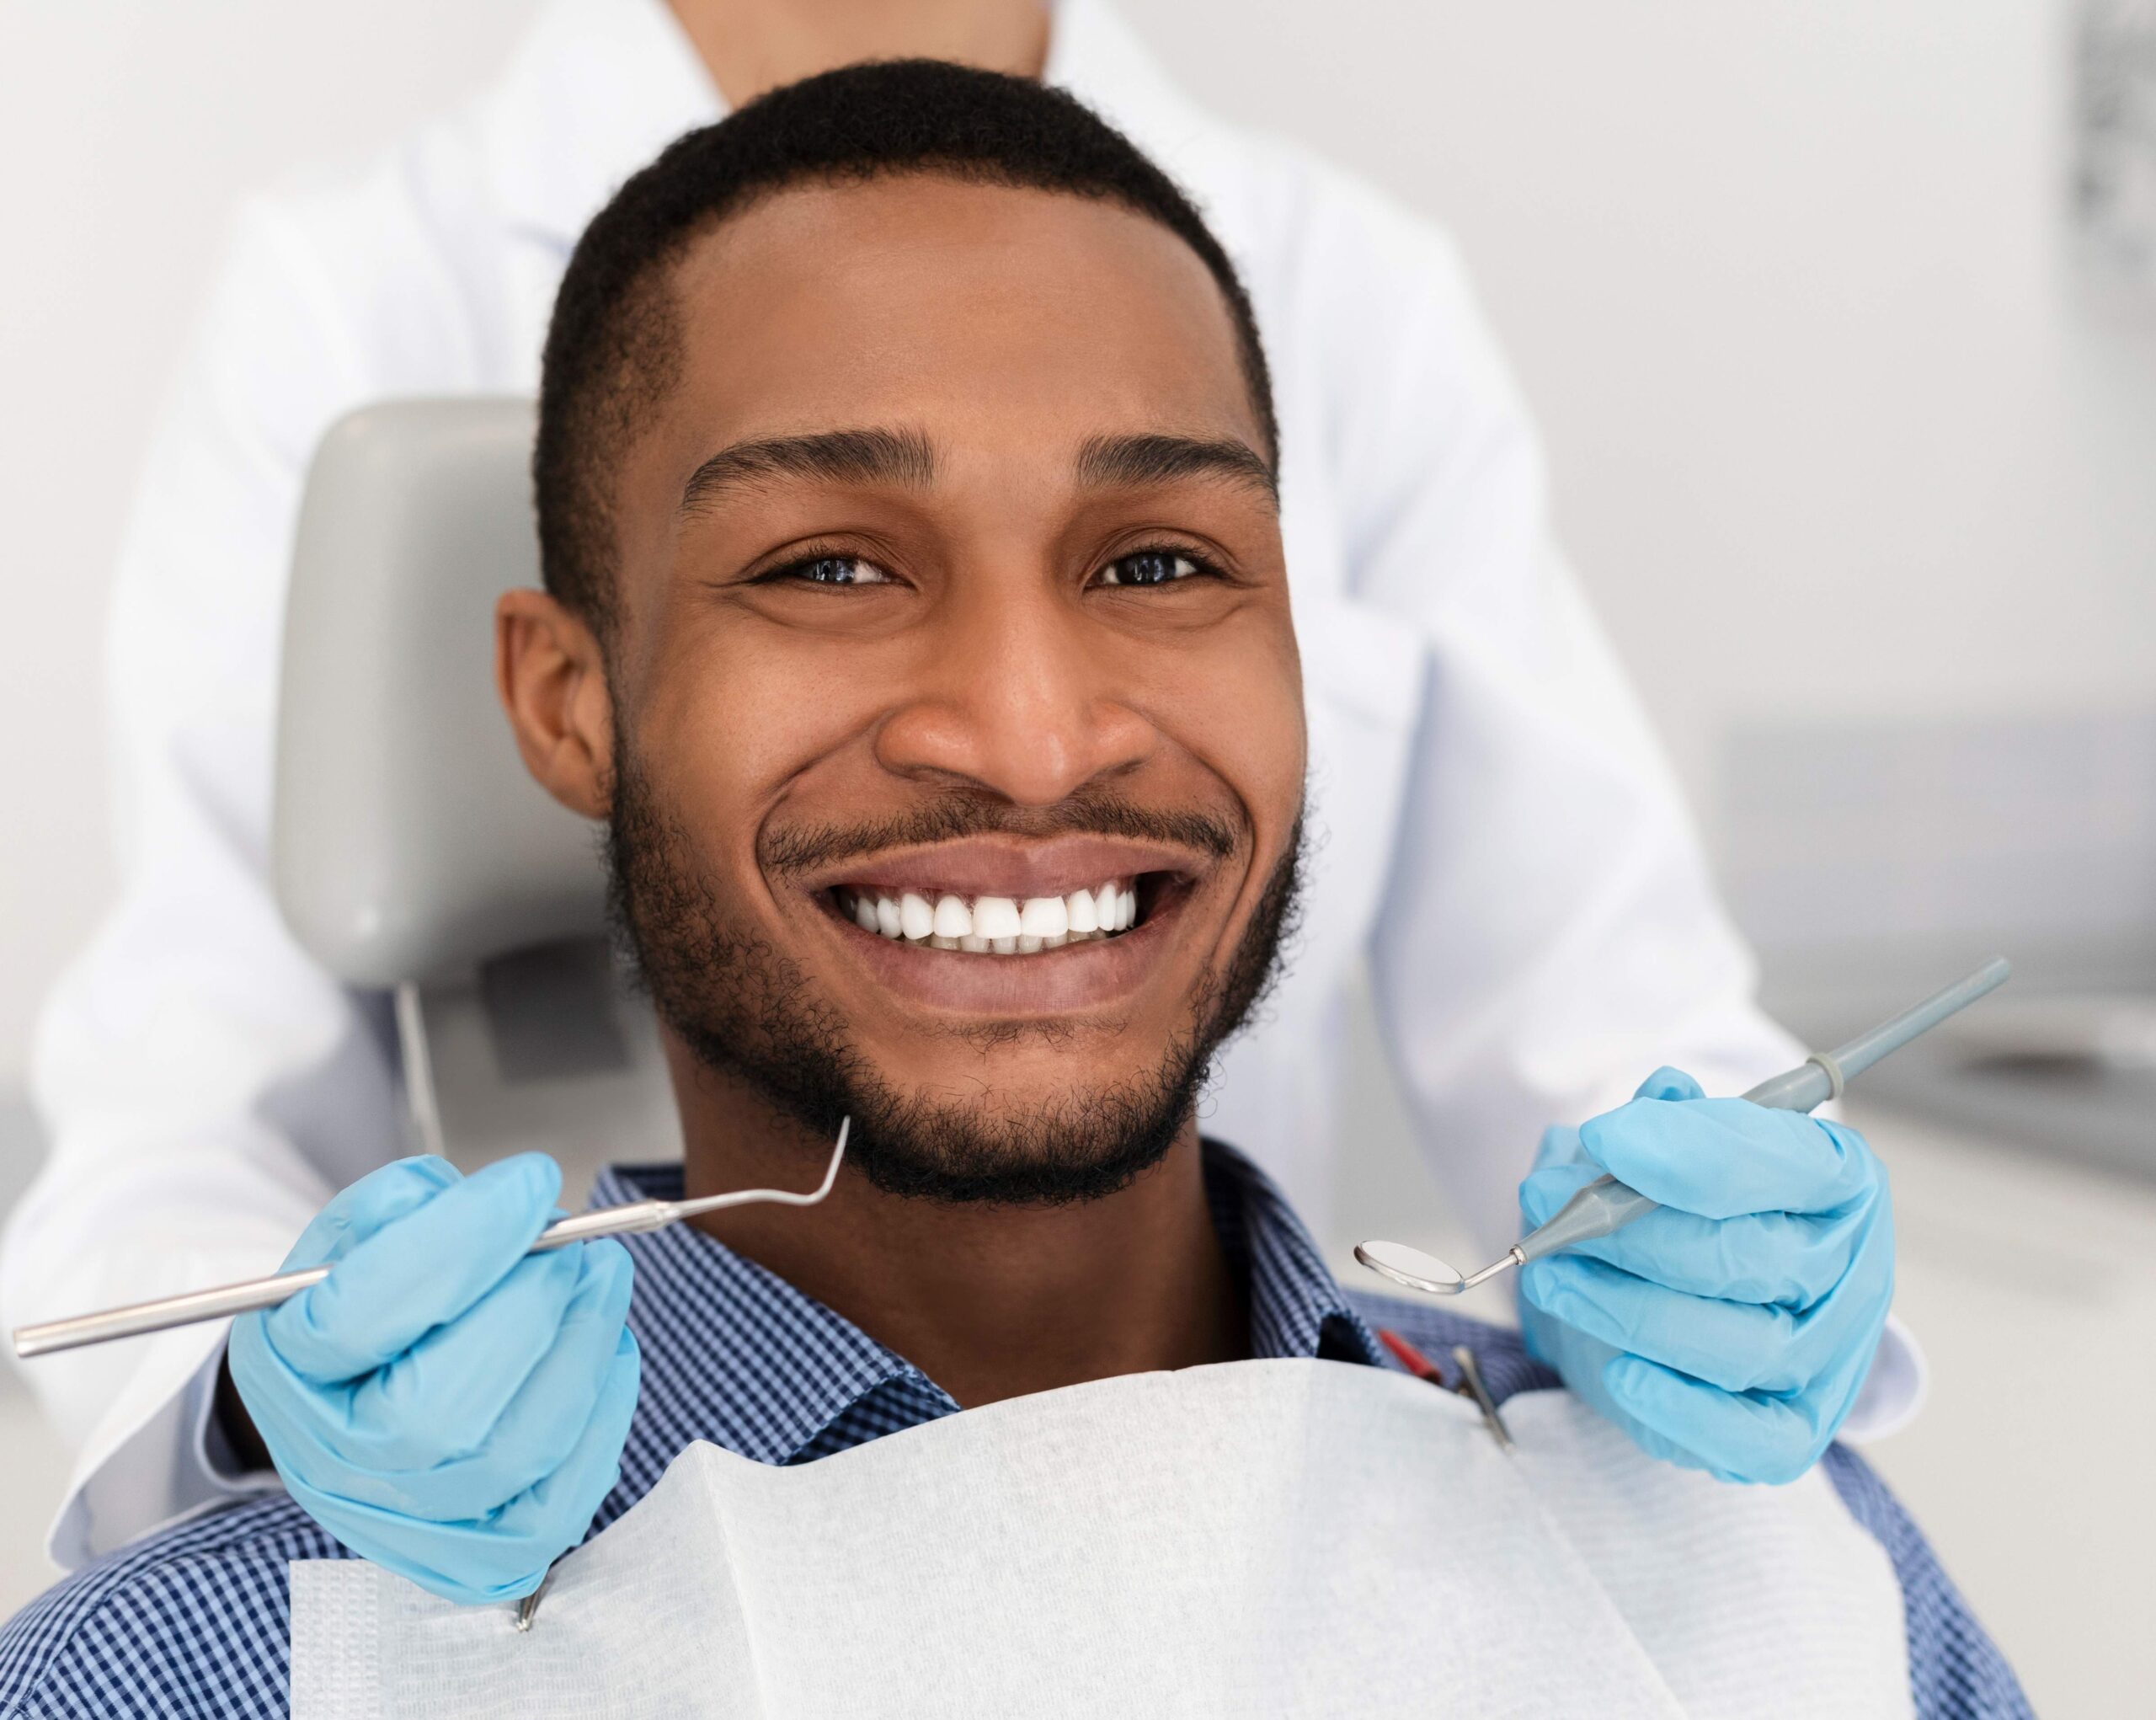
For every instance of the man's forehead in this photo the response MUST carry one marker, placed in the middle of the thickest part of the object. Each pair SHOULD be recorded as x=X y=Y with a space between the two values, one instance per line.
x=960 y=310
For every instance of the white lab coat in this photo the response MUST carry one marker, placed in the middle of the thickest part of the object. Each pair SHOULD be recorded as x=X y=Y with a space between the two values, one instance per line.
x=1499 y=835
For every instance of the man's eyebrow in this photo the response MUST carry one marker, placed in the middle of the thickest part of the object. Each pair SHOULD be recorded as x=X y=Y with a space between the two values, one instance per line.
x=838 y=456
x=1130 y=460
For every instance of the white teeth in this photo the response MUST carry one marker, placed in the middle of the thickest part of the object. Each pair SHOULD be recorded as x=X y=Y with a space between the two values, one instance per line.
x=996 y=917
x=1043 y=917
x=1001 y=924
x=916 y=919
x=953 y=921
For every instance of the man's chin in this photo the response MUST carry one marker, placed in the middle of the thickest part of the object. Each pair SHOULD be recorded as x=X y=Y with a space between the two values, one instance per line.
x=1065 y=1144
x=1092 y=1147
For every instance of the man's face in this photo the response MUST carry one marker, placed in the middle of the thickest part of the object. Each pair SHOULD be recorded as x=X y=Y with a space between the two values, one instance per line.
x=957 y=722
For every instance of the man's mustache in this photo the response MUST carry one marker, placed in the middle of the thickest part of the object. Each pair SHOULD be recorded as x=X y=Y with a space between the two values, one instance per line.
x=812 y=848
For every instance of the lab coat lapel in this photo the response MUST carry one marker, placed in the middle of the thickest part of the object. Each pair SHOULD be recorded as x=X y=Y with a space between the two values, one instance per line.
x=594 y=91
x=598 y=87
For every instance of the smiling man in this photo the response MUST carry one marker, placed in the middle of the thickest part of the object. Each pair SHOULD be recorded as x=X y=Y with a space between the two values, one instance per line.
x=939 y=683
x=917 y=619
x=1001 y=835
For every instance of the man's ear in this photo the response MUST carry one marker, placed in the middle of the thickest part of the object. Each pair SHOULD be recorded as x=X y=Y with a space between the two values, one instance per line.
x=551 y=677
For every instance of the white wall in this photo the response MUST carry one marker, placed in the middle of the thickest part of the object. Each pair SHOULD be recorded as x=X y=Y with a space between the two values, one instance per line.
x=1787 y=284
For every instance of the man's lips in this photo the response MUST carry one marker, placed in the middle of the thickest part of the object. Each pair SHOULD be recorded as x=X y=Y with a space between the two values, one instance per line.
x=1008 y=867
x=1067 y=979
x=1137 y=892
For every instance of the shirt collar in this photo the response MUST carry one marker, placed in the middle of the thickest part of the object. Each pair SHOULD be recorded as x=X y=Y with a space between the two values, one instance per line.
x=1297 y=1308
x=597 y=88
x=734 y=1355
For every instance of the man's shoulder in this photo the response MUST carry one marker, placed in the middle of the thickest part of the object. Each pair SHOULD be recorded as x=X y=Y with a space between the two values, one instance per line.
x=1499 y=1354
x=191 y=1620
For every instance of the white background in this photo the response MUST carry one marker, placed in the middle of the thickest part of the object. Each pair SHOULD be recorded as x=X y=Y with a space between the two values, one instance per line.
x=1838 y=431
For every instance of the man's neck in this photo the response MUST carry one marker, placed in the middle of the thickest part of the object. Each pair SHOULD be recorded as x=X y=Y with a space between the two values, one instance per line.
x=990 y=1301
x=750 y=47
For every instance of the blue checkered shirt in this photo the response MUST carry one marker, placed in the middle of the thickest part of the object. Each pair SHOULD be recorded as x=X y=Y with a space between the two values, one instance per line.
x=195 y=1620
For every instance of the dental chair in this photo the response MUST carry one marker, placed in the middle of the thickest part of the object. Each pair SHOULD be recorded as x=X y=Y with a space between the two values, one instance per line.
x=412 y=854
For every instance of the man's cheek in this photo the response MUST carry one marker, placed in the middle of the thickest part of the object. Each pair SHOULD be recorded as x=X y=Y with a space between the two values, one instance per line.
x=1256 y=746
x=742 y=728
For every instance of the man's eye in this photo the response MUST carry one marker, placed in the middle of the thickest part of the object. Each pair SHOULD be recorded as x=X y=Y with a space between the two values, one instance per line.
x=1151 y=567
x=835 y=570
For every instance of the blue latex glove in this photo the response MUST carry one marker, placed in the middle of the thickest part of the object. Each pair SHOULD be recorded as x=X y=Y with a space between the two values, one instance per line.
x=1731 y=1330
x=441 y=1403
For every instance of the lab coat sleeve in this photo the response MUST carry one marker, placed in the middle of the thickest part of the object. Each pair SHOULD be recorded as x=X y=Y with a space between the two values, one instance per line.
x=205 y=1085
x=1549 y=934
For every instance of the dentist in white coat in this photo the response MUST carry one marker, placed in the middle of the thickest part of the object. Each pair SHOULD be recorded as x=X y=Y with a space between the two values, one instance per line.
x=1502 y=840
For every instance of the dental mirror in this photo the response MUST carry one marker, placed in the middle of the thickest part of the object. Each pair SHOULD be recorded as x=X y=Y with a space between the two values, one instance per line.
x=1411 y=1268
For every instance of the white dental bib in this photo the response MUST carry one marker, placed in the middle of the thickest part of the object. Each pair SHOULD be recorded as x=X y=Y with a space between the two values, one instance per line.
x=1258 y=1538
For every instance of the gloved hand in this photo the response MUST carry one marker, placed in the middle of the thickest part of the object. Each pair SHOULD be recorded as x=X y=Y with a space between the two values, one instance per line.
x=1731 y=1330
x=442 y=1404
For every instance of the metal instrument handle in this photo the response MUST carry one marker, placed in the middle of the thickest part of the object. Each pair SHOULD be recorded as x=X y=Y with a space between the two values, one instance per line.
x=1606 y=1204
x=161 y=1313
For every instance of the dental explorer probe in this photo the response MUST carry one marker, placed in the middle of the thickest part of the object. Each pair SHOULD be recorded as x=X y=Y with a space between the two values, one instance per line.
x=185 y=1310
x=1606 y=1204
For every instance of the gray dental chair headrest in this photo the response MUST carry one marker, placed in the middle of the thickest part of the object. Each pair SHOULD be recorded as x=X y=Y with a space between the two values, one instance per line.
x=408 y=843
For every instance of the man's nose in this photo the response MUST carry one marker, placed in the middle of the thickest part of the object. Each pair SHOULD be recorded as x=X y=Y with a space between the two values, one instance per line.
x=1019 y=694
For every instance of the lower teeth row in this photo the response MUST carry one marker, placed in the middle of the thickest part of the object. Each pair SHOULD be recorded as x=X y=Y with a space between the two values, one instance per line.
x=946 y=922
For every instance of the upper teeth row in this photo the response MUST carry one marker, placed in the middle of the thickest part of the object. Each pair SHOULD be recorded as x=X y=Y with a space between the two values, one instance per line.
x=1000 y=925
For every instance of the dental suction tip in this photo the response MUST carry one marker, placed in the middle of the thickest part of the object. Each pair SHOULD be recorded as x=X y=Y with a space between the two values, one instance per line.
x=1411 y=1268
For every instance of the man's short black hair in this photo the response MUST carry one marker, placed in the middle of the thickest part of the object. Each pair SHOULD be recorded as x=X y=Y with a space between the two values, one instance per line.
x=613 y=348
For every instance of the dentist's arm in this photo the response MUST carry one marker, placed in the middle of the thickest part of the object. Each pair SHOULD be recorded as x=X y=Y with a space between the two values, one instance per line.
x=206 y=1085
x=1550 y=927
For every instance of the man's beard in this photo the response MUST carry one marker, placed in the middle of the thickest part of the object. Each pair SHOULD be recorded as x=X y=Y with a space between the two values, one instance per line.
x=744 y=1009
